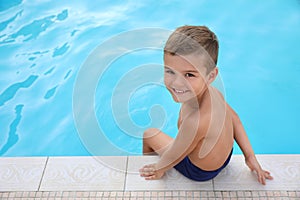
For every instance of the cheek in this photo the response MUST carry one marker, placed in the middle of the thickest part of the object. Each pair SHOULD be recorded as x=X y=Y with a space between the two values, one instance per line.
x=197 y=86
x=167 y=80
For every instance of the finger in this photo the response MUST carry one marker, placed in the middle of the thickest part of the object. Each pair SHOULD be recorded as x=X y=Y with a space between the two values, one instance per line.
x=148 y=172
x=145 y=174
x=149 y=166
x=145 y=166
x=150 y=169
x=263 y=180
x=260 y=177
x=147 y=169
x=153 y=177
x=268 y=175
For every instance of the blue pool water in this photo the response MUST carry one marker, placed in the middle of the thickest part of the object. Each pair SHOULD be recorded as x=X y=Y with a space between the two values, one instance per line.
x=45 y=48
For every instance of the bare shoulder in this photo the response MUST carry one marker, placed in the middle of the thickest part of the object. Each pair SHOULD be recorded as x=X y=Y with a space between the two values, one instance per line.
x=215 y=90
x=198 y=121
x=191 y=131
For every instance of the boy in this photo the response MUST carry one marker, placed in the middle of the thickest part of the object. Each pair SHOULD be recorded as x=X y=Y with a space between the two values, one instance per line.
x=207 y=125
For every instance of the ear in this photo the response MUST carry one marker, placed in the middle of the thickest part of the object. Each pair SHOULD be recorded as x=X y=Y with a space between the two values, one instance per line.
x=212 y=75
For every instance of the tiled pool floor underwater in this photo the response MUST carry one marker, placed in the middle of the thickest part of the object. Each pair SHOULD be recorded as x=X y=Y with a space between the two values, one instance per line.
x=118 y=178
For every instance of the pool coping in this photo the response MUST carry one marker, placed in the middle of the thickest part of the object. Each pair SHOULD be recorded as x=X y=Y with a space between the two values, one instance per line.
x=117 y=176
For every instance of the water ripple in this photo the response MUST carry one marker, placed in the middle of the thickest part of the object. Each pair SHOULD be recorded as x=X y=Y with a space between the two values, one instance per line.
x=4 y=24
x=63 y=15
x=49 y=71
x=34 y=29
x=50 y=93
x=60 y=50
x=9 y=4
x=11 y=91
x=68 y=74
x=12 y=135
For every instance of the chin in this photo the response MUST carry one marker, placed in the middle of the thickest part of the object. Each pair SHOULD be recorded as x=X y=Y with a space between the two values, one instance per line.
x=177 y=100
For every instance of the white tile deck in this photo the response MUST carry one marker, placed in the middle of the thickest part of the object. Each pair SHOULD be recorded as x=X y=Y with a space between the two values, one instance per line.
x=18 y=174
x=121 y=174
x=84 y=173
x=284 y=168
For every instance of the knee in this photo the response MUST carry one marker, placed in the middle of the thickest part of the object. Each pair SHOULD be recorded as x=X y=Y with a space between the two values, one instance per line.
x=150 y=133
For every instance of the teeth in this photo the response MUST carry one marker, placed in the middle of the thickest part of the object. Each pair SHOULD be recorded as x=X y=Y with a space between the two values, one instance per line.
x=179 y=91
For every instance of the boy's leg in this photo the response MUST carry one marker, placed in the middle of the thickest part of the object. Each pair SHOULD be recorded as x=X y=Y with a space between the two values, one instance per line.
x=155 y=141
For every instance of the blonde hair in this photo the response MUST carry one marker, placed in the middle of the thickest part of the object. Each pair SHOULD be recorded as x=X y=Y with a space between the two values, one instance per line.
x=187 y=40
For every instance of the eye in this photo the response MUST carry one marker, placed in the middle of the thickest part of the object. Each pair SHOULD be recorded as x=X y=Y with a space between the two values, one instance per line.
x=169 y=71
x=189 y=75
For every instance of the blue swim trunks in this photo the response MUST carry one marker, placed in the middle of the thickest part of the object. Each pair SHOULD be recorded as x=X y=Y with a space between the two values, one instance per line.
x=189 y=170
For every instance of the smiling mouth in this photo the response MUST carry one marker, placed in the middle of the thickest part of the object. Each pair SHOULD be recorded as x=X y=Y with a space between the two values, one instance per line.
x=179 y=91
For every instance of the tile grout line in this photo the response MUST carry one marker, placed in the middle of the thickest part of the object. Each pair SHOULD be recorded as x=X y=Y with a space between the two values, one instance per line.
x=46 y=163
x=125 y=181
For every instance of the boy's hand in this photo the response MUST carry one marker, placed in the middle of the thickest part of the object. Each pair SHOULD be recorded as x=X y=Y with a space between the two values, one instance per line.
x=150 y=172
x=262 y=175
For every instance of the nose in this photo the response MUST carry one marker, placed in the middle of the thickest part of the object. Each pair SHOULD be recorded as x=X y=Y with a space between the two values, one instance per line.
x=178 y=82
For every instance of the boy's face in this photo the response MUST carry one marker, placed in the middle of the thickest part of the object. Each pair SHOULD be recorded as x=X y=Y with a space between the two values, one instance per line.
x=183 y=80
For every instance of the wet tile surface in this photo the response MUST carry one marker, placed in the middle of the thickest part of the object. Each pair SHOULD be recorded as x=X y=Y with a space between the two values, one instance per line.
x=84 y=173
x=172 y=180
x=21 y=174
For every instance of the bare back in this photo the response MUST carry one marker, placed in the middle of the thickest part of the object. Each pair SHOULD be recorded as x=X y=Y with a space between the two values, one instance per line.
x=216 y=144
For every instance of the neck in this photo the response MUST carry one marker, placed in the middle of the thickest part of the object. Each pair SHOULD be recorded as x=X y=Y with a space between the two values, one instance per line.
x=195 y=103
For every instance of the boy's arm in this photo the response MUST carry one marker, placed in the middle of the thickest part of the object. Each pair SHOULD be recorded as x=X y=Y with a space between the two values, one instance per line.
x=242 y=140
x=187 y=138
x=240 y=135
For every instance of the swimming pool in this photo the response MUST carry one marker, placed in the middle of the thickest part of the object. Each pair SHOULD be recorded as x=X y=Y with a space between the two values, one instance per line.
x=44 y=47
